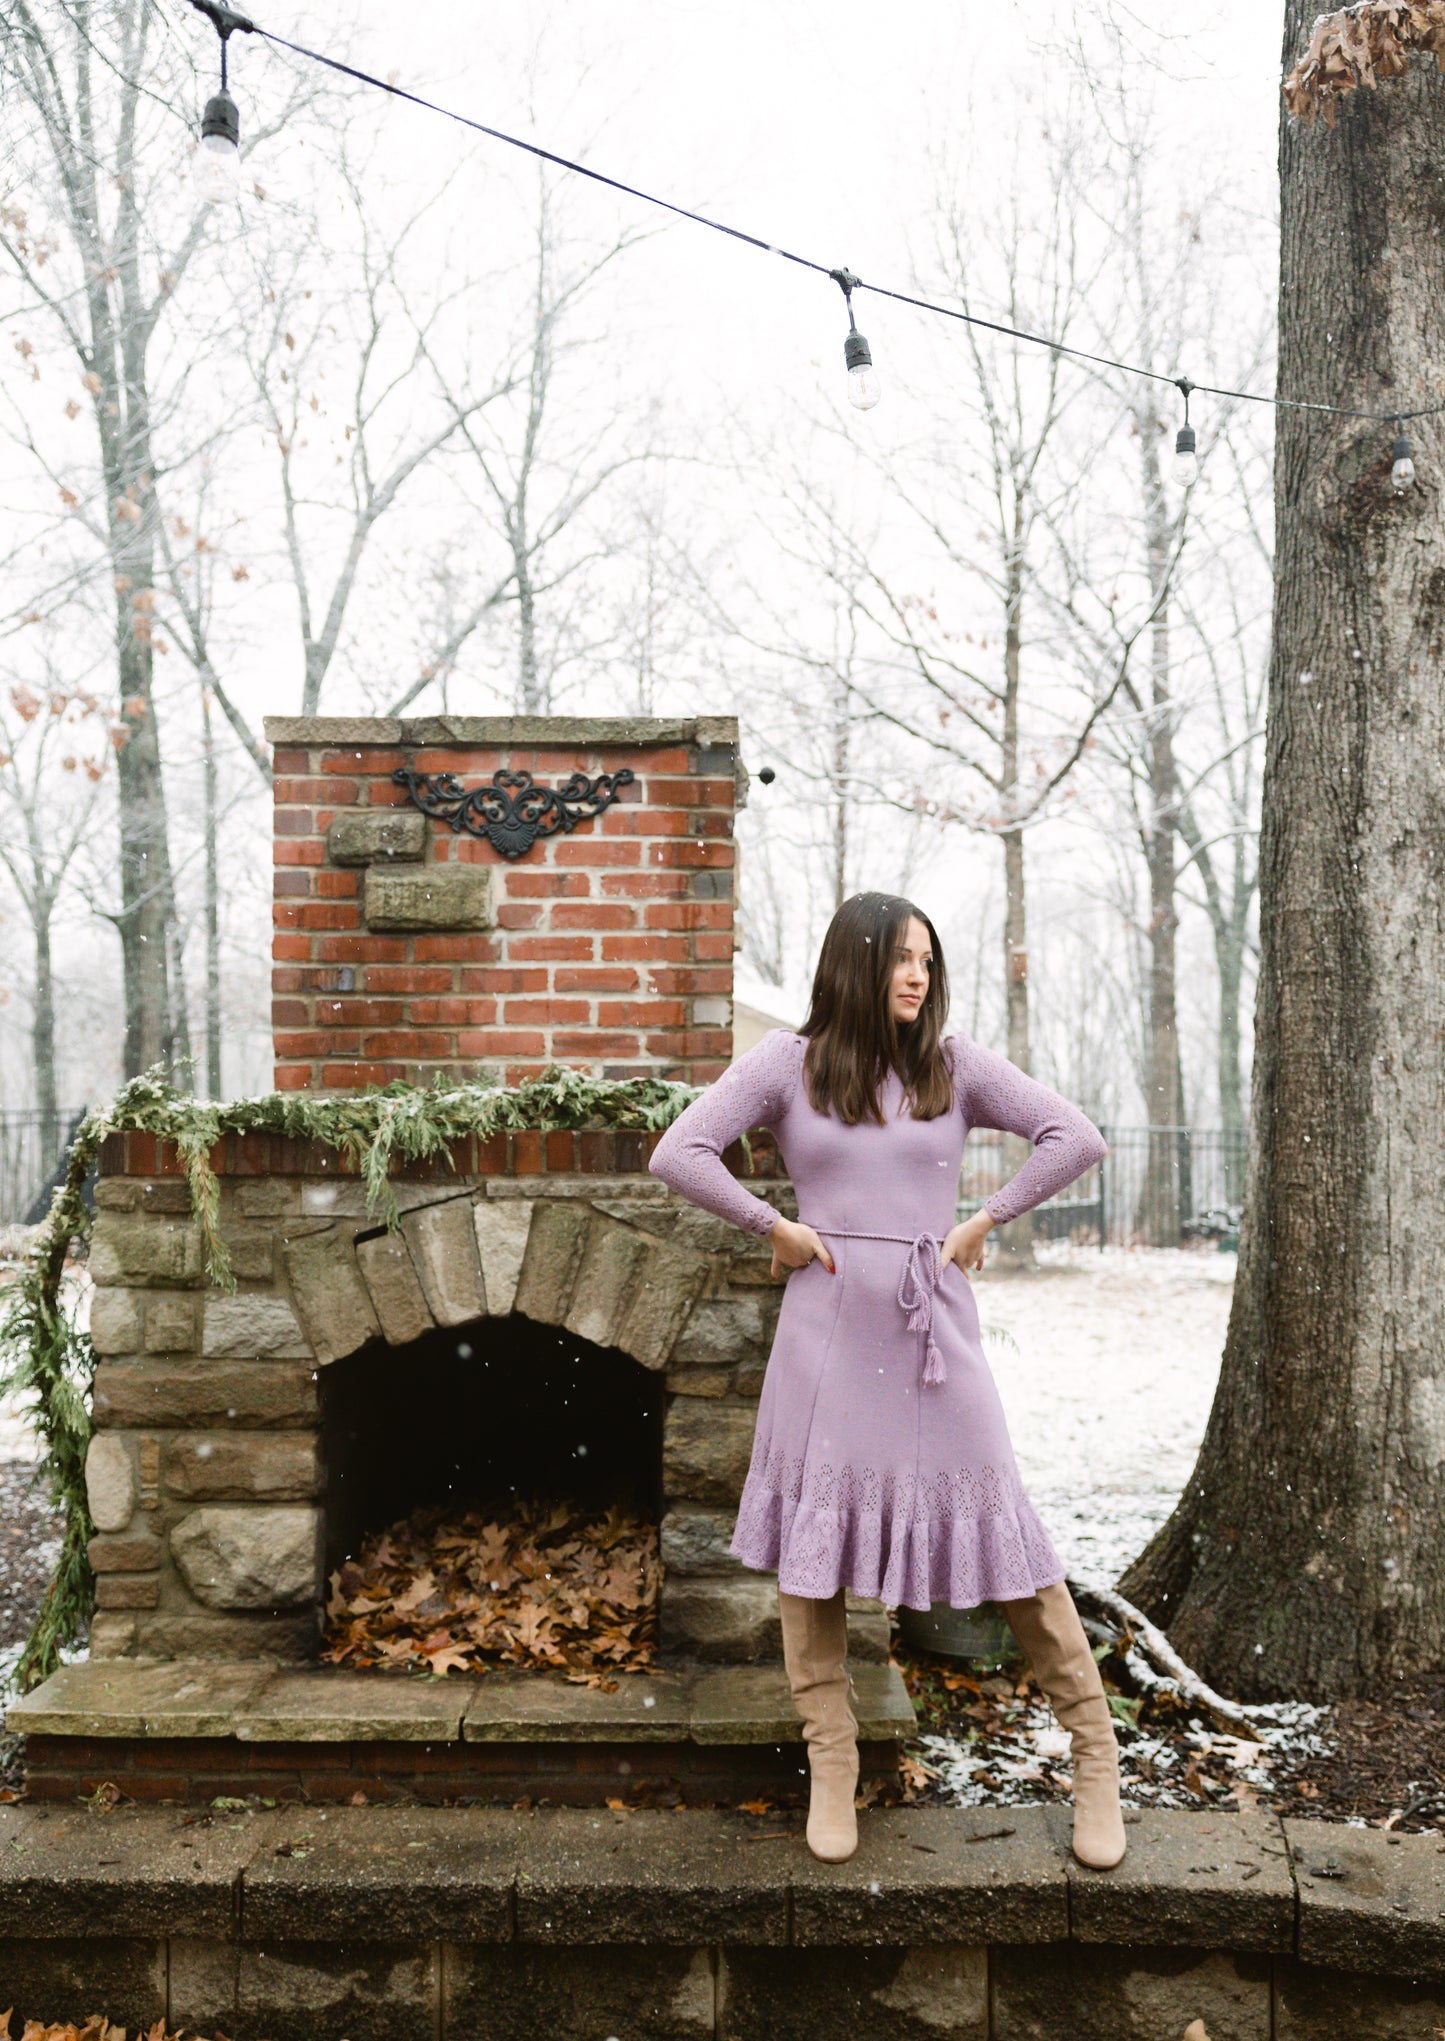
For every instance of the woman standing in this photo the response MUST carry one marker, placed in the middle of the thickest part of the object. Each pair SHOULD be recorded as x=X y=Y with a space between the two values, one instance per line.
x=881 y=1460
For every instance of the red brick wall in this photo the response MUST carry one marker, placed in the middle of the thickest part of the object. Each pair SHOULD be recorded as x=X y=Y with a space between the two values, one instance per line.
x=610 y=947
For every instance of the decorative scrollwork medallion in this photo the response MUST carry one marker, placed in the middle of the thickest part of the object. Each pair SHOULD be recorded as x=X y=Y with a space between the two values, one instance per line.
x=513 y=811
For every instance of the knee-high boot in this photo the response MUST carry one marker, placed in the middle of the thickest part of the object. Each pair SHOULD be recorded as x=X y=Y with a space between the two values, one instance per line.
x=1047 y=1625
x=815 y=1653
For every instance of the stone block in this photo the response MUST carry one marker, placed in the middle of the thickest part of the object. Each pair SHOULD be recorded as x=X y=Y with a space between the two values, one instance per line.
x=556 y=1242
x=128 y=1591
x=252 y=1253
x=1369 y=1901
x=301 y=1991
x=695 y=1541
x=751 y=1704
x=54 y=1981
x=364 y=836
x=331 y=1299
x=869 y=1637
x=138 y=1551
x=730 y=1619
x=247 y=1394
x=501 y=1226
x=112 y=1635
x=271 y=1197
x=115 y=1321
x=265 y=1640
x=395 y=1290
x=170 y=1326
x=687 y=1878
x=706 y=1448
x=1311 y=2004
x=250 y=1558
x=1098 y=1994
x=443 y=1244
x=720 y=1333
x=382 y=1873
x=237 y=1466
x=171 y=1194
x=603 y=1286
x=931 y=1874
x=531 y=1708
x=331 y=1706
x=664 y=1290
x=145 y=1253
x=110 y=1481
x=187 y=1699
x=932 y=1994
x=117 y=1194
x=252 y=1328
x=1190 y=1879
x=643 y=1994
x=714 y=1382
x=431 y=899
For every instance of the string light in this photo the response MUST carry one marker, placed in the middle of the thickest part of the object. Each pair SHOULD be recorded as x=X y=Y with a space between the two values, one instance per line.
x=1402 y=470
x=864 y=389
x=218 y=158
x=1185 y=466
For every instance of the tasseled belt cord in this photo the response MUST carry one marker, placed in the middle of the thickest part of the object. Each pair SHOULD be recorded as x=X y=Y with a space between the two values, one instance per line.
x=922 y=1270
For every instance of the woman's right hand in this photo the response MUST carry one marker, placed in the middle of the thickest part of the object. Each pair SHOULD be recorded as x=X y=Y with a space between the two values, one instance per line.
x=795 y=1245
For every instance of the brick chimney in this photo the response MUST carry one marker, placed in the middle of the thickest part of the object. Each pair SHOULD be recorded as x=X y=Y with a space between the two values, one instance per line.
x=406 y=947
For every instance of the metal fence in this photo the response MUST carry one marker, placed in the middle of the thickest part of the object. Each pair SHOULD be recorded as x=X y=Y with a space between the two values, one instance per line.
x=1157 y=1187
x=33 y=1147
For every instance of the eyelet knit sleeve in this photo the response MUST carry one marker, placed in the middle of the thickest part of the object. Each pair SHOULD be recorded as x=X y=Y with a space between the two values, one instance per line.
x=995 y=1093
x=753 y=1091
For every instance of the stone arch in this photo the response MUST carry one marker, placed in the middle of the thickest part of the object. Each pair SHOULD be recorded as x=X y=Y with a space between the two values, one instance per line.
x=465 y=1255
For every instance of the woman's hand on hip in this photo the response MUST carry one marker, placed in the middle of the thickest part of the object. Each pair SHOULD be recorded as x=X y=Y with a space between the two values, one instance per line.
x=964 y=1242
x=795 y=1245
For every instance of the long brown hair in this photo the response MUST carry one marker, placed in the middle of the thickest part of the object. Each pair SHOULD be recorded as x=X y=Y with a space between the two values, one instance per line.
x=853 y=1039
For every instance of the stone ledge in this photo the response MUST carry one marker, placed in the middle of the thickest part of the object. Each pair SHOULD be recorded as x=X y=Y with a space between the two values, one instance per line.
x=934 y=1877
x=549 y=731
x=255 y=1703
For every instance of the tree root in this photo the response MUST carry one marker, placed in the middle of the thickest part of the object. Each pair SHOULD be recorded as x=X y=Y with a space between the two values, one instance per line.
x=1141 y=1641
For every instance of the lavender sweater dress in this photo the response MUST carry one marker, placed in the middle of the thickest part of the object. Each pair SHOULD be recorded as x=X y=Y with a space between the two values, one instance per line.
x=881 y=1460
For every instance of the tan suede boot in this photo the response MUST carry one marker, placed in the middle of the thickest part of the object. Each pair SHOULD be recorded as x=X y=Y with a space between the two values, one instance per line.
x=1047 y=1625
x=815 y=1653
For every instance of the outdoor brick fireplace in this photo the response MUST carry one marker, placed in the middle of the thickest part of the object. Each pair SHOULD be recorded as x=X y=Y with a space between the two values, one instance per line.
x=544 y=1293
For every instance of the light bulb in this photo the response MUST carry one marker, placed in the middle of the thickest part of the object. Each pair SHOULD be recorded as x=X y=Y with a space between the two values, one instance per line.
x=1402 y=472
x=218 y=158
x=864 y=388
x=1184 y=468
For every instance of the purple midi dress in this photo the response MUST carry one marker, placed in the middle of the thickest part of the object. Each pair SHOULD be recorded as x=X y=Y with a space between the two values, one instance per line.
x=881 y=1461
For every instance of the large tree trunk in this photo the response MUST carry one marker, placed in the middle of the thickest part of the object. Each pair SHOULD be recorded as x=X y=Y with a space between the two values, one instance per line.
x=1305 y=1557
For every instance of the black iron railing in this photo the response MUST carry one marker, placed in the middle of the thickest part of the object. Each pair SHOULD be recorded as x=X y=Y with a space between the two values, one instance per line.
x=1157 y=1187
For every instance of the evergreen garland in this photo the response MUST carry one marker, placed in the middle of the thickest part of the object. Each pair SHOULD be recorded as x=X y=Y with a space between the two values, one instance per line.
x=44 y=1354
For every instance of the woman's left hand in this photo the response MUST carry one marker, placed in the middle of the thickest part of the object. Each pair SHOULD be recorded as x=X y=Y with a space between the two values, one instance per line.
x=964 y=1243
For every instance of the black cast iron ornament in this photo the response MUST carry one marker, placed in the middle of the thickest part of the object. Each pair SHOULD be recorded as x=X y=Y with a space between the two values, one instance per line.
x=513 y=811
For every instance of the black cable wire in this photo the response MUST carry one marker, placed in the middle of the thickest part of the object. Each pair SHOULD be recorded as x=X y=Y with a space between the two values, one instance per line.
x=227 y=22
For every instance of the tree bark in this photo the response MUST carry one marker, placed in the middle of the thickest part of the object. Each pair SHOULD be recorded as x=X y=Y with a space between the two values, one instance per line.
x=1305 y=1556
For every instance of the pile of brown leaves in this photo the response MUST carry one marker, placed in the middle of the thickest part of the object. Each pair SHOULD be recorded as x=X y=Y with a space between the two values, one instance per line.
x=1360 y=45
x=540 y=1584
x=96 y=2028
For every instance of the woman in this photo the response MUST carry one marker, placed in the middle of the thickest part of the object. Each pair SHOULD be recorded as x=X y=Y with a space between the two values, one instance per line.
x=881 y=1460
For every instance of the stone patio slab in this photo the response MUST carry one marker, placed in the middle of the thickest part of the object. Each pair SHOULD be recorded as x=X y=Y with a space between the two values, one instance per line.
x=752 y=1704
x=116 y=1697
x=323 y=1706
x=526 y=1708
x=687 y=1878
x=1190 y=1880
x=1368 y=1900
x=383 y=1874
x=134 y=1872
x=936 y=1874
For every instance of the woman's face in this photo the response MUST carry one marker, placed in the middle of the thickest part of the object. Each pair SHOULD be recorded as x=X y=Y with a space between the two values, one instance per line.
x=912 y=965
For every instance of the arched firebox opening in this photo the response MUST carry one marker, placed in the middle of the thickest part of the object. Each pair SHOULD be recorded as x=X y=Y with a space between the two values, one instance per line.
x=503 y=1407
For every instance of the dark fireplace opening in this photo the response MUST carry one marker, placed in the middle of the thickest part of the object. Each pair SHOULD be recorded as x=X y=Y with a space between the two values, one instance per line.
x=501 y=1408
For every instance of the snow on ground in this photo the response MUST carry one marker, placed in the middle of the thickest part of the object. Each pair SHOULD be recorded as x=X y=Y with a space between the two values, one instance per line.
x=1106 y=1361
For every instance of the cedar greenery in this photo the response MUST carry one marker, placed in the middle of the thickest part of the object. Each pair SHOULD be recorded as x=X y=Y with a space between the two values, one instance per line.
x=46 y=1357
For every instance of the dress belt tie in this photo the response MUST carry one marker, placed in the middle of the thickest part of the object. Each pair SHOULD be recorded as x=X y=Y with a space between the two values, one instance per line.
x=922 y=1270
